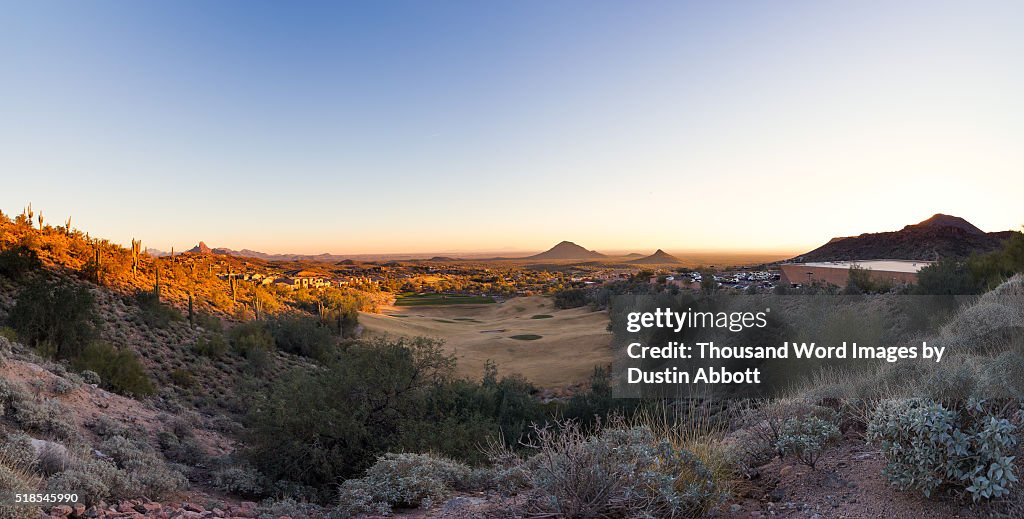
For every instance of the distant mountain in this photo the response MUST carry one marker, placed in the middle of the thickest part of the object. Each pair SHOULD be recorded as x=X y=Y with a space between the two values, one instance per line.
x=566 y=250
x=937 y=237
x=659 y=257
x=202 y=248
x=633 y=255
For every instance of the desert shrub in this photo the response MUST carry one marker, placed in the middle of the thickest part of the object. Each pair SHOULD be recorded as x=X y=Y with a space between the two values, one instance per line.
x=153 y=312
x=147 y=474
x=119 y=370
x=748 y=448
x=240 y=480
x=249 y=337
x=316 y=428
x=62 y=386
x=1003 y=376
x=929 y=447
x=16 y=261
x=301 y=336
x=182 y=378
x=91 y=377
x=406 y=480
x=288 y=507
x=16 y=479
x=16 y=449
x=620 y=472
x=184 y=449
x=209 y=322
x=807 y=438
x=948 y=276
x=93 y=480
x=993 y=268
x=212 y=346
x=33 y=413
x=952 y=381
x=58 y=318
x=571 y=298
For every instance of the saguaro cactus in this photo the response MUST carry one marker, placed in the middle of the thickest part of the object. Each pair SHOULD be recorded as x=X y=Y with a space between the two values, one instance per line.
x=156 y=285
x=257 y=306
x=67 y=226
x=136 y=252
x=40 y=220
x=191 y=312
x=98 y=263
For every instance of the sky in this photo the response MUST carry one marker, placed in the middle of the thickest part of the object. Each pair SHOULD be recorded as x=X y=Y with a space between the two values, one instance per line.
x=387 y=126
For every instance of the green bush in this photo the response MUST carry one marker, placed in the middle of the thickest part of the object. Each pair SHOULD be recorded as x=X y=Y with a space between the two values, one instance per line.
x=153 y=312
x=250 y=337
x=211 y=346
x=58 y=317
x=301 y=336
x=318 y=427
x=948 y=276
x=16 y=261
x=929 y=447
x=806 y=438
x=405 y=480
x=119 y=370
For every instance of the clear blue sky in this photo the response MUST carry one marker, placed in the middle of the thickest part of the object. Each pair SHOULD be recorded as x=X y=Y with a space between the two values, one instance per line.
x=440 y=125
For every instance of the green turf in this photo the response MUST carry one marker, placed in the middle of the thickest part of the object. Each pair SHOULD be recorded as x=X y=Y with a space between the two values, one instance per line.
x=409 y=299
x=526 y=337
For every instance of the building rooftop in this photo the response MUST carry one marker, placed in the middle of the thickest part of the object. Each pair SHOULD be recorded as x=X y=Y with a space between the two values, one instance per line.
x=877 y=265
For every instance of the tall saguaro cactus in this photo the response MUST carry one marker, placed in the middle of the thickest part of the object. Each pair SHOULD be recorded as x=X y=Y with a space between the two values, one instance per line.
x=257 y=306
x=191 y=312
x=156 y=285
x=40 y=220
x=136 y=252
x=97 y=262
x=67 y=226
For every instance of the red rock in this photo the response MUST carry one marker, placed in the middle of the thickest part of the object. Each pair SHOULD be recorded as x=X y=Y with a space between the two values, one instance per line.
x=60 y=511
x=190 y=507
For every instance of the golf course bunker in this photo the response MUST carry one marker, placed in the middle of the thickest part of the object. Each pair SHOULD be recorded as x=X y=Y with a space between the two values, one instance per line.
x=551 y=351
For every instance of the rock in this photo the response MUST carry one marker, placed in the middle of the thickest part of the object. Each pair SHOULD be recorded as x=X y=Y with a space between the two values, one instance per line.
x=41 y=446
x=734 y=508
x=191 y=507
x=78 y=510
x=60 y=511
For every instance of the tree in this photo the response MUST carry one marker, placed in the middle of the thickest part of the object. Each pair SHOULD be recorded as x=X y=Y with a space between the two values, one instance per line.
x=56 y=317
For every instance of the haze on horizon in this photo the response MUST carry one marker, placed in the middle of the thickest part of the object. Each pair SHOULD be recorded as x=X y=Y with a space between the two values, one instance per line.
x=405 y=126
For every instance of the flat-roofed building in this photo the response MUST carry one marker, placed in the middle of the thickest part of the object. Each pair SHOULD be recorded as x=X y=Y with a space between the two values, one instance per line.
x=838 y=272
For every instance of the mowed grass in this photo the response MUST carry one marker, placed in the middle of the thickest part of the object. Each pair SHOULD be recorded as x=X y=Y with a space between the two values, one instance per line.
x=564 y=351
x=410 y=299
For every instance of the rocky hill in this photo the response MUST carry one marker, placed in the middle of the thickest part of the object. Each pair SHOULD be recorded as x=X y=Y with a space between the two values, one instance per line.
x=566 y=250
x=937 y=237
x=660 y=257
